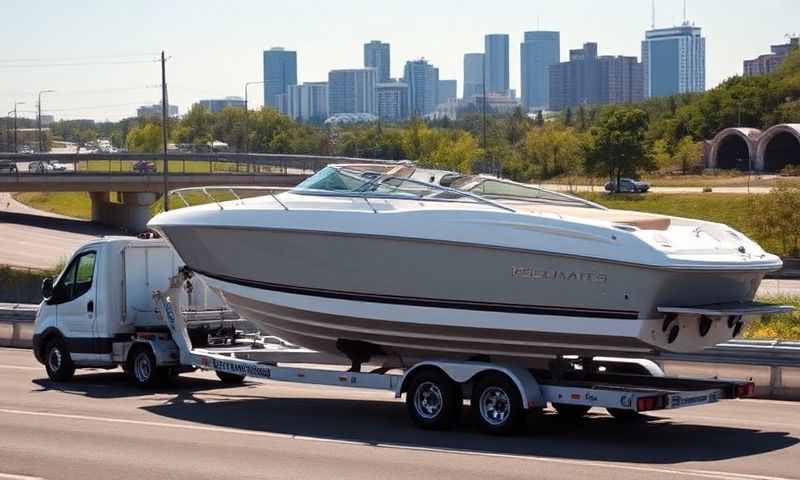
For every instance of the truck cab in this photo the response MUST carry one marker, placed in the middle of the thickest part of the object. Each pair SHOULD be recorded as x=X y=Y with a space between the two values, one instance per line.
x=102 y=301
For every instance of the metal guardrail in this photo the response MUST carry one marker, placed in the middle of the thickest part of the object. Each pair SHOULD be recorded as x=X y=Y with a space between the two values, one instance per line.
x=179 y=163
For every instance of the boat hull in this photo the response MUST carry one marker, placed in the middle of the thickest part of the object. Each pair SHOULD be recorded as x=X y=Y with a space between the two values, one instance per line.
x=411 y=298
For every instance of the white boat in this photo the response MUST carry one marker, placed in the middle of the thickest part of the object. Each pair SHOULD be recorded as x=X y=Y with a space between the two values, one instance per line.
x=380 y=266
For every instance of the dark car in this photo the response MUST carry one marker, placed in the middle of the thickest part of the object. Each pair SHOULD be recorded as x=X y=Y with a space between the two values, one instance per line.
x=143 y=166
x=9 y=166
x=627 y=185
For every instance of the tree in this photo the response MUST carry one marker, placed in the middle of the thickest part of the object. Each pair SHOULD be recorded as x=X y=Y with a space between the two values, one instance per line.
x=617 y=143
x=688 y=153
x=552 y=150
x=775 y=219
x=196 y=127
x=540 y=119
x=517 y=125
x=145 y=138
x=581 y=118
x=568 y=117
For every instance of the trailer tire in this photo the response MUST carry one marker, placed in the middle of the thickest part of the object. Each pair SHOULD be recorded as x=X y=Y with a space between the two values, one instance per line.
x=434 y=401
x=143 y=369
x=628 y=416
x=571 y=412
x=230 y=378
x=57 y=361
x=497 y=404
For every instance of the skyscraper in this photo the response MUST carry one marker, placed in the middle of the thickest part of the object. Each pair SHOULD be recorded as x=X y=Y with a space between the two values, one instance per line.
x=496 y=51
x=473 y=75
x=538 y=52
x=448 y=90
x=377 y=55
x=392 y=98
x=423 y=86
x=308 y=101
x=352 y=91
x=674 y=61
x=280 y=71
x=589 y=79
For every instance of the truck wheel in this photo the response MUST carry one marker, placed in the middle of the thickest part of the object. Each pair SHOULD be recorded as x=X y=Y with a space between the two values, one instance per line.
x=497 y=405
x=142 y=367
x=433 y=400
x=625 y=415
x=571 y=412
x=230 y=378
x=57 y=361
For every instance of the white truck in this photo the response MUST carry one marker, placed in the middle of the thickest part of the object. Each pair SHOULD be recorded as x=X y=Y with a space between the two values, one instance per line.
x=131 y=303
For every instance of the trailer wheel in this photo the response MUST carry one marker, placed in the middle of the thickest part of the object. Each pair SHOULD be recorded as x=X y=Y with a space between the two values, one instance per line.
x=497 y=405
x=571 y=412
x=142 y=367
x=230 y=378
x=625 y=415
x=57 y=361
x=434 y=401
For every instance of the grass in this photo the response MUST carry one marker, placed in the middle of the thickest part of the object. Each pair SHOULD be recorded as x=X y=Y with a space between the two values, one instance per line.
x=71 y=204
x=784 y=326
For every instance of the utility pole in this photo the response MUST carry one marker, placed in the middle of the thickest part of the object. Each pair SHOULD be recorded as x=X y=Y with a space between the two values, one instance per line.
x=16 y=149
x=164 y=120
x=39 y=118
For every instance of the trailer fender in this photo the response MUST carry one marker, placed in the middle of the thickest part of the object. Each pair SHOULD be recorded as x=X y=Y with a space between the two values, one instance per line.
x=165 y=350
x=464 y=372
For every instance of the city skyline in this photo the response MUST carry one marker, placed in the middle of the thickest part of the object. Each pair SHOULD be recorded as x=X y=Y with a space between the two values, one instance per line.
x=203 y=65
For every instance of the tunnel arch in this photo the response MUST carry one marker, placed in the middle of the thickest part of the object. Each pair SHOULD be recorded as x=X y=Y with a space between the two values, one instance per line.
x=734 y=148
x=779 y=146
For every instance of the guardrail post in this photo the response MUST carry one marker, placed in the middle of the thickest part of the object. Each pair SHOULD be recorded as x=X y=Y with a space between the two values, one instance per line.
x=775 y=380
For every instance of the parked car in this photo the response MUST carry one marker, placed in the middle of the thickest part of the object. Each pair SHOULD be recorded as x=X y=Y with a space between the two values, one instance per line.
x=627 y=185
x=143 y=166
x=26 y=149
x=45 y=166
x=8 y=166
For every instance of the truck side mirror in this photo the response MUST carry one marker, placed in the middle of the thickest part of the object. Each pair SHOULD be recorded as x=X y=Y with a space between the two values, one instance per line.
x=47 y=288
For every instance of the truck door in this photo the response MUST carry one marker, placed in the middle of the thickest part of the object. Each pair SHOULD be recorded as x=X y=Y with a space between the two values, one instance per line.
x=75 y=297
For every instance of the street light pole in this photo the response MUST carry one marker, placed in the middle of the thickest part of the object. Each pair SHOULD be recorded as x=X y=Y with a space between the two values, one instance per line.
x=16 y=150
x=246 y=116
x=39 y=118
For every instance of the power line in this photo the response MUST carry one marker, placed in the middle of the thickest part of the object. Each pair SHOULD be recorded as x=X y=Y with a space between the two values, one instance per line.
x=82 y=92
x=77 y=64
x=86 y=57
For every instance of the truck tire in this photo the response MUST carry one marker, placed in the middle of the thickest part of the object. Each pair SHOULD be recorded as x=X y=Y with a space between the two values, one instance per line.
x=57 y=361
x=571 y=412
x=143 y=369
x=433 y=400
x=627 y=416
x=230 y=378
x=497 y=405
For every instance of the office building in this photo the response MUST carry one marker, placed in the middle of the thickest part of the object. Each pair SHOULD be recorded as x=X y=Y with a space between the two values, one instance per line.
x=538 y=52
x=219 y=104
x=308 y=102
x=392 y=98
x=280 y=71
x=589 y=79
x=352 y=91
x=770 y=62
x=496 y=60
x=423 y=86
x=377 y=55
x=473 y=74
x=153 y=112
x=448 y=90
x=674 y=61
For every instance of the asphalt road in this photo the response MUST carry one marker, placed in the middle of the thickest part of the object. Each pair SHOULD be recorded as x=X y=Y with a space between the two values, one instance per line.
x=34 y=239
x=99 y=427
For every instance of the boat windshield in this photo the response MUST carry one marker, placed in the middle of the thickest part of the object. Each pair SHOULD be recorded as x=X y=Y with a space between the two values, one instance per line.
x=382 y=182
x=512 y=192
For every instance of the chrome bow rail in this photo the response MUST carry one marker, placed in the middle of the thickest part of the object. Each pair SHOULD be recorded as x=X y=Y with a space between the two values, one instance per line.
x=206 y=191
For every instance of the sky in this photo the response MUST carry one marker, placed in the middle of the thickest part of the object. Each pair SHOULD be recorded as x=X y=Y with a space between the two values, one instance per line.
x=99 y=56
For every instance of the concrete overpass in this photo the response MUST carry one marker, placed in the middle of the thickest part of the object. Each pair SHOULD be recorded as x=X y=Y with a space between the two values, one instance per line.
x=140 y=187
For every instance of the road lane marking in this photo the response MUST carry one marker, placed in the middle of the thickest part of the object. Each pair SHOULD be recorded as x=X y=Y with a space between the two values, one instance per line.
x=286 y=436
x=11 y=476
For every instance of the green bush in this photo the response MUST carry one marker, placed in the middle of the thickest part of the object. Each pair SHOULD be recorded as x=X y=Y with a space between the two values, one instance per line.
x=775 y=219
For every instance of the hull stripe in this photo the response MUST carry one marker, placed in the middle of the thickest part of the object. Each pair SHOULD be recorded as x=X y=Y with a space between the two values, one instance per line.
x=430 y=302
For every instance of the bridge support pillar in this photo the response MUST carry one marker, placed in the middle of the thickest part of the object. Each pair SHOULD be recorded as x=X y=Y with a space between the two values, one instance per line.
x=130 y=213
